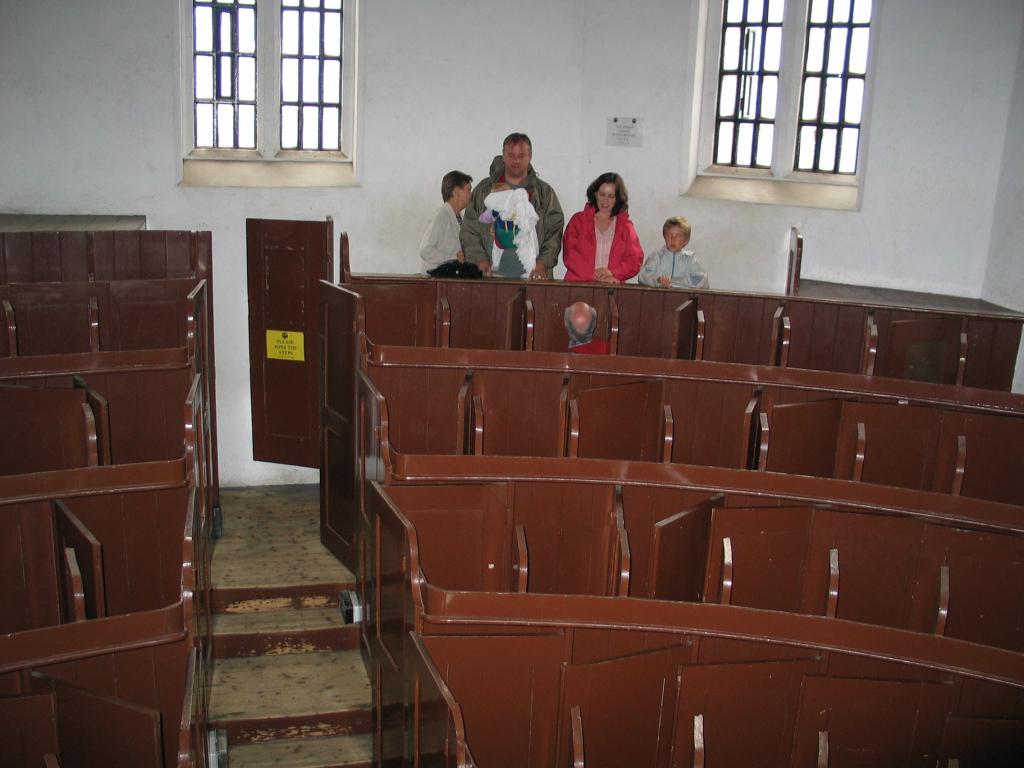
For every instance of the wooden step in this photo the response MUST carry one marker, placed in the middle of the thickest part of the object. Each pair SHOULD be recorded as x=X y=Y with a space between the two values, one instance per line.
x=282 y=631
x=324 y=752
x=277 y=597
x=267 y=698
x=270 y=556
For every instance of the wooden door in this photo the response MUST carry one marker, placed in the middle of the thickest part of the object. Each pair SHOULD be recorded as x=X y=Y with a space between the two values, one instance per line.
x=286 y=261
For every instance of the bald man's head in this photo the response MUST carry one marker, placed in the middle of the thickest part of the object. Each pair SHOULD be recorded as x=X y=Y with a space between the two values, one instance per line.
x=580 y=322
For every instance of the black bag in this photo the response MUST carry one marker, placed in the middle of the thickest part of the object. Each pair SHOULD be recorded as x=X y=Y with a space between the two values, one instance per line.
x=455 y=268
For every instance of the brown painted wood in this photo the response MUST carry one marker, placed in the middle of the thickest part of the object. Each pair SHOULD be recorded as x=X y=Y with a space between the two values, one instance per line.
x=679 y=554
x=827 y=333
x=755 y=699
x=10 y=327
x=56 y=413
x=101 y=731
x=286 y=261
x=72 y=533
x=795 y=263
x=28 y=728
x=622 y=422
x=882 y=722
x=924 y=349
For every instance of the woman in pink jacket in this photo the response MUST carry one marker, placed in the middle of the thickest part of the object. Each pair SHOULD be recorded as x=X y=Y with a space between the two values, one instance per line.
x=600 y=243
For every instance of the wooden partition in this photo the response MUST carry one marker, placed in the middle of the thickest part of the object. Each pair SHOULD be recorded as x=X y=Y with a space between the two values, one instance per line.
x=140 y=536
x=135 y=396
x=155 y=283
x=815 y=334
x=721 y=420
x=711 y=685
x=613 y=611
x=66 y=421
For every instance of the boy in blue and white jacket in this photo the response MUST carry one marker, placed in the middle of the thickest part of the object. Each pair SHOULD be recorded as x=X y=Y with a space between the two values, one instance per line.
x=672 y=267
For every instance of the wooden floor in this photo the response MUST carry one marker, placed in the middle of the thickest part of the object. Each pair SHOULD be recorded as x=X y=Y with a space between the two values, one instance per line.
x=289 y=685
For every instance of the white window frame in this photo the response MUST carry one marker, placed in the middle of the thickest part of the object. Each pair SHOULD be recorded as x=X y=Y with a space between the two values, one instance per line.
x=268 y=165
x=780 y=184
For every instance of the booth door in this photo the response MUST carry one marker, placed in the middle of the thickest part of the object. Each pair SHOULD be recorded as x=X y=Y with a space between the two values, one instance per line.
x=286 y=261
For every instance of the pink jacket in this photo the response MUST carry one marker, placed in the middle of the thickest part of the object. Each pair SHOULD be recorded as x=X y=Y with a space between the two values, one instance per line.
x=579 y=247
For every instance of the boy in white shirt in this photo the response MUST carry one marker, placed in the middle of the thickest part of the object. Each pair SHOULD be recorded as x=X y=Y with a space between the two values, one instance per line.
x=440 y=241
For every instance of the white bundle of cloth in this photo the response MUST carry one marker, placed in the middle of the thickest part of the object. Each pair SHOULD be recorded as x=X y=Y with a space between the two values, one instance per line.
x=513 y=206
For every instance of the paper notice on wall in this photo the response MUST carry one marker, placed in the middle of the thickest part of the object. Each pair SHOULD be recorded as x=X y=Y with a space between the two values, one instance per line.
x=625 y=132
x=285 y=345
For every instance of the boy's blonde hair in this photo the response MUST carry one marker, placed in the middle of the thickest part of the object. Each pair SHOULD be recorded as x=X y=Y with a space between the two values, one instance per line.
x=676 y=221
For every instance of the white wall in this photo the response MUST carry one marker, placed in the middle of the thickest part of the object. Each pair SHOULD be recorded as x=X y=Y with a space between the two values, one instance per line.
x=937 y=130
x=89 y=121
x=1004 y=279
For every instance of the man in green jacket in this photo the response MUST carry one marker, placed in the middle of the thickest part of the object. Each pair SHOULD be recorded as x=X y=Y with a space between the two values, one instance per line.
x=513 y=169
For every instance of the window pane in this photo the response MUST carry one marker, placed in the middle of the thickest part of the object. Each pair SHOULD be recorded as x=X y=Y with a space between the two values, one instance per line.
x=247 y=126
x=246 y=30
x=331 y=135
x=731 y=49
x=859 y=51
x=772 y=49
x=311 y=3
x=310 y=127
x=827 y=153
x=290 y=32
x=204 y=77
x=805 y=161
x=744 y=144
x=724 y=154
x=750 y=95
x=290 y=3
x=752 y=57
x=225 y=83
x=289 y=127
x=812 y=86
x=734 y=10
x=311 y=80
x=204 y=29
x=311 y=34
x=815 y=49
x=862 y=12
x=333 y=4
x=246 y=78
x=332 y=34
x=332 y=82
x=748 y=79
x=848 y=154
x=854 y=100
x=766 y=135
x=290 y=80
x=225 y=125
x=833 y=95
x=727 y=101
x=837 y=51
x=225 y=32
x=841 y=11
x=833 y=106
x=204 y=125
x=769 y=95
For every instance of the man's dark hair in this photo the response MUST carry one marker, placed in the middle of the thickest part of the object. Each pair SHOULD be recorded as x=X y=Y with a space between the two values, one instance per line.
x=516 y=138
x=621 y=195
x=452 y=181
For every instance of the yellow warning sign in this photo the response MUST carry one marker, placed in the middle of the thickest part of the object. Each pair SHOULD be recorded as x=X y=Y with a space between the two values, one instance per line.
x=285 y=345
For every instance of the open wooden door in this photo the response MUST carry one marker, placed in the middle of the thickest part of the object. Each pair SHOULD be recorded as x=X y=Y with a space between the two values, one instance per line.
x=286 y=261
